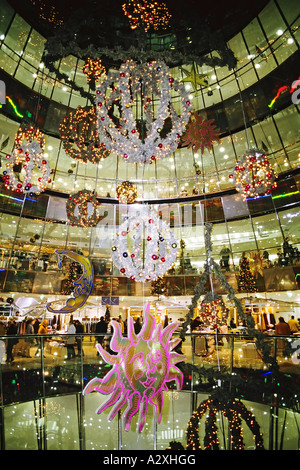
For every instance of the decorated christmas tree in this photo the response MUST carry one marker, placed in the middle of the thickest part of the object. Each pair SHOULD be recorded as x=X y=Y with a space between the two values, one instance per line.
x=158 y=287
x=246 y=281
x=73 y=273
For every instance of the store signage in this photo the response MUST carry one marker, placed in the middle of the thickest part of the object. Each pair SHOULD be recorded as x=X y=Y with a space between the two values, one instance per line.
x=144 y=364
x=110 y=301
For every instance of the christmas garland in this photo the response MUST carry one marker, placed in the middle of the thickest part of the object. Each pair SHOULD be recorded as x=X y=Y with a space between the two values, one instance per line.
x=263 y=347
x=234 y=411
x=98 y=42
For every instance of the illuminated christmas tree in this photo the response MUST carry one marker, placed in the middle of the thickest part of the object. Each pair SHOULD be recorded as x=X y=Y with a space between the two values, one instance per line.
x=74 y=272
x=158 y=287
x=246 y=282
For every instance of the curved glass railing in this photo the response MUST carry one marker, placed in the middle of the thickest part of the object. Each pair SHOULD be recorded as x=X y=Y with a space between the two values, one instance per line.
x=42 y=405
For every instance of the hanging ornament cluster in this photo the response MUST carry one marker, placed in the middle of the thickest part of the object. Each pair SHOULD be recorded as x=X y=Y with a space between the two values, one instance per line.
x=145 y=247
x=142 y=132
x=147 y=14
x=83 y=209
x=253 y=175
x=200 y=133
x=213 y=311
x=78 y=133
x=93 y=69
x=126 y=193
x=27 y=170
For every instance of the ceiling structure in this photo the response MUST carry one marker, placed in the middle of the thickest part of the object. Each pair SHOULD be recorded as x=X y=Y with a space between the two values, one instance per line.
x=194 y=28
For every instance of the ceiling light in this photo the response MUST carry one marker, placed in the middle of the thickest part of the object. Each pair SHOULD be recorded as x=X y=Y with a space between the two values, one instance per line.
x=279 y=32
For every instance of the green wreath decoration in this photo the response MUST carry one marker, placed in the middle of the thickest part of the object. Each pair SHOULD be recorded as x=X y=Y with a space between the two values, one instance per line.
x=80 y=200
x=79 y=136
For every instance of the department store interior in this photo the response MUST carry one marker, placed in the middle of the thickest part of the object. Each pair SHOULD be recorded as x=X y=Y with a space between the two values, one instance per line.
x=237 y=76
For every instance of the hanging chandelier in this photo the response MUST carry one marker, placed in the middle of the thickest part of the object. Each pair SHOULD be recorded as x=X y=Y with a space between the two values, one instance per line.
x=147 y=14
x=145 y=247
x=126 y=193
x=253 y=175
x=145 y=125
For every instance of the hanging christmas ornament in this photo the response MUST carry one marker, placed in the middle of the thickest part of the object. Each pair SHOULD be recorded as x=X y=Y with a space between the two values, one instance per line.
x=27 y=170
x=82 y=287
x=141 y=132
x=86 y=205
x=28 y=134
x=78 y=133
x=126 y=193
x=147 y=14
x=253 y=175
x=200 y=133
x=145 y=246
x=192 y=76
x=93 y=69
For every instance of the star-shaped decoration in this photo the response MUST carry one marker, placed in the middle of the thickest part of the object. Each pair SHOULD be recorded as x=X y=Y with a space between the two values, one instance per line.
x=194 y=77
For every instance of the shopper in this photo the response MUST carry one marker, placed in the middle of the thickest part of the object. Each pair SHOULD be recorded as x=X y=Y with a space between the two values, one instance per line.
x=43 y=330
x=101 y=327
x=11 y=331
x=282 y=329
x=71 y=340
x=137 y=325
x=29 y=341
x=293 y=324
x=79 y=330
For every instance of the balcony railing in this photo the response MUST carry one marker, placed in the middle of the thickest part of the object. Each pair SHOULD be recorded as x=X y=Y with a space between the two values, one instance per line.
x=45 y=377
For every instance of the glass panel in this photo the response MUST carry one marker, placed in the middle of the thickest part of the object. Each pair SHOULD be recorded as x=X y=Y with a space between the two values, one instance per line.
x=241 y=235
x=17 y=34
x=34 y=49
x=8 y=60
x=5 y=17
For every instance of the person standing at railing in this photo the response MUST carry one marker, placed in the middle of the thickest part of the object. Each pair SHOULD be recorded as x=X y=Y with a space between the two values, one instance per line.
x=79 y=330
x=282 y=329
x=43 y=330
x=71 y=340
x=293 y=324
x=12 y=330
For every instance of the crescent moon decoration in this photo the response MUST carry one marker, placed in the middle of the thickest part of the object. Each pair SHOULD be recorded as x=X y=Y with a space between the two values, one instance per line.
x=144 y=363
x=82 y=286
